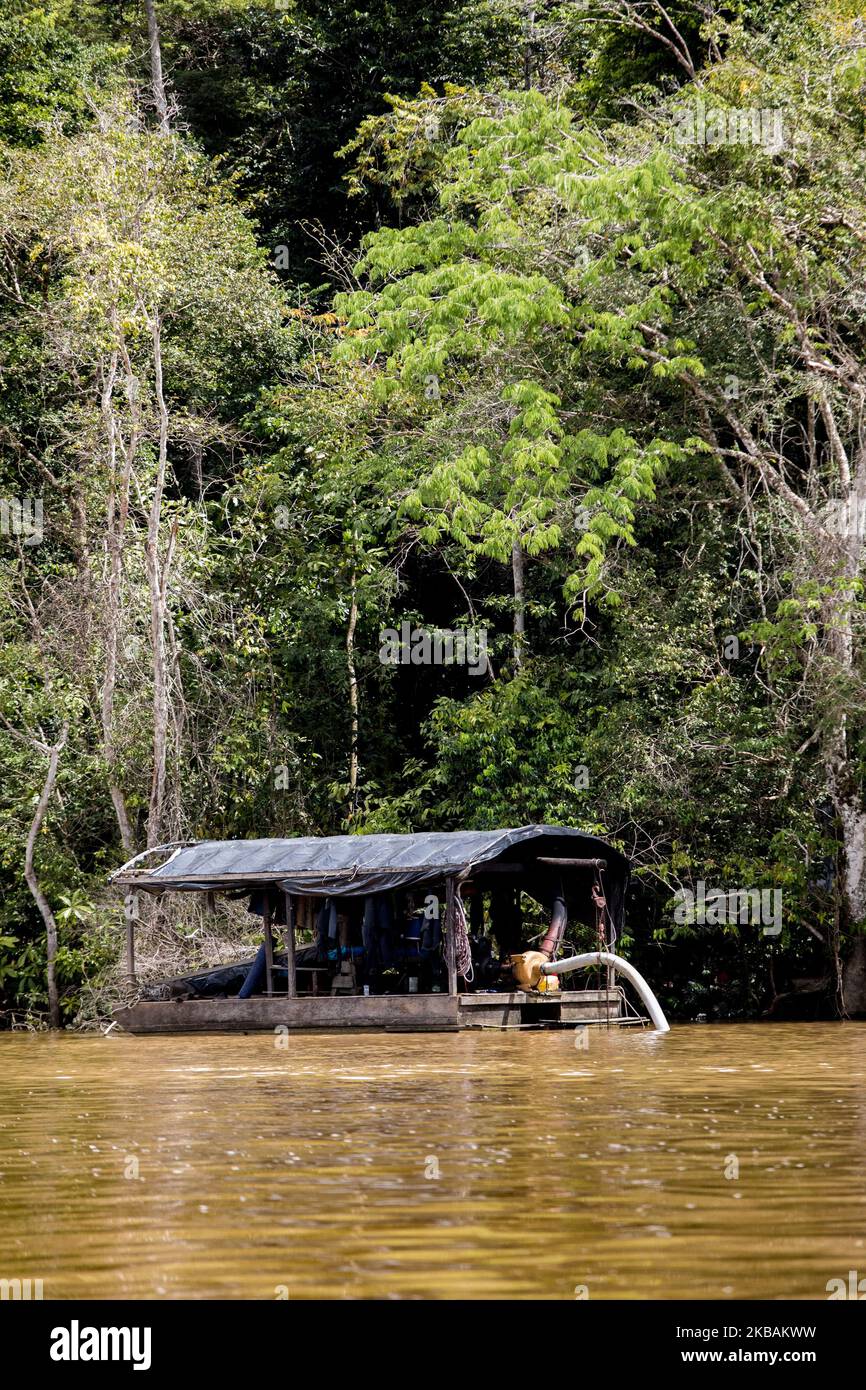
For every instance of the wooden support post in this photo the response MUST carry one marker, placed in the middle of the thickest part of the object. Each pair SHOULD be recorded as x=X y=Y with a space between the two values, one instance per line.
x=610 y=973
x=130 y=908
x=269 y=946
x=610 y=978
x=344 y=980
x=292 y=988
x=450 y=937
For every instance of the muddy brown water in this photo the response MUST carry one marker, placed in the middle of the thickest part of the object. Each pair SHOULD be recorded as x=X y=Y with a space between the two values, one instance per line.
x=715 y=1162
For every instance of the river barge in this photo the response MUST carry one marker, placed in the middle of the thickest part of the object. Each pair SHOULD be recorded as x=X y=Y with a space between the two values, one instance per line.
x=437 y=931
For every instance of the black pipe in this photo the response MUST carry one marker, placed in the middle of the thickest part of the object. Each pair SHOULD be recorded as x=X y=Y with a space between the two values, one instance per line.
x=556 y=930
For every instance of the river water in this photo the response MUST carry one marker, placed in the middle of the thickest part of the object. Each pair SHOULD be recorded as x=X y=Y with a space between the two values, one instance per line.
x=715 y=1162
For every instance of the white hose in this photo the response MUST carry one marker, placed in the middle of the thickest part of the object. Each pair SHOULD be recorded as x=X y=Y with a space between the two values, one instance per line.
x=634 y=977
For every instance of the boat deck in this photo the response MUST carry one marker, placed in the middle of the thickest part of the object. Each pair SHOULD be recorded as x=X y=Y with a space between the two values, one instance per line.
x=411 y=1013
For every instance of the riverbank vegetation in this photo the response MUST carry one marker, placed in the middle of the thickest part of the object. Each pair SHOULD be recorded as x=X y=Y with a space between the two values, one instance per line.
x=545 y=322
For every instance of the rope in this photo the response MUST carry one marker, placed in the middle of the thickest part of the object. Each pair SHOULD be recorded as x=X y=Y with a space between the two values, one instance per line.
x=600 y=902
x=462 y=949
x=612 y=939
x=600 y=906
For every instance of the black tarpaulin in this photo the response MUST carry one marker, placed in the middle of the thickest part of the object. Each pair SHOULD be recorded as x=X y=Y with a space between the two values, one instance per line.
x=355 y=865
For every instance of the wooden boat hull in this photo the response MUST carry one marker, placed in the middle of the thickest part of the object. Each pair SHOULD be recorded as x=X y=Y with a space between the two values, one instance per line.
x=411 y=1013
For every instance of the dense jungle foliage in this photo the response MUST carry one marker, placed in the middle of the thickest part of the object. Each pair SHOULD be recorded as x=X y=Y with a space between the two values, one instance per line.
x=546 y=321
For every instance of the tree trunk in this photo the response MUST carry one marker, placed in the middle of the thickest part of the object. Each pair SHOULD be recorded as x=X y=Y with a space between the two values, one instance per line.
x=33 y=882
x=159 y=98
x=157 y=577
x=854 y=979
x=519 y=641
x=118 y=513
x=843 y=782
x=852 y=821
x=528 y=35
x=353 y=699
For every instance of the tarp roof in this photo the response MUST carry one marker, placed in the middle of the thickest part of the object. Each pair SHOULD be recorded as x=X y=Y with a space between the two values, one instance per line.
x=349 y=865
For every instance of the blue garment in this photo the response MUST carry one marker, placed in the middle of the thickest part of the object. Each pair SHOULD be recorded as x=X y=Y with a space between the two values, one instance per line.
x=256 y=975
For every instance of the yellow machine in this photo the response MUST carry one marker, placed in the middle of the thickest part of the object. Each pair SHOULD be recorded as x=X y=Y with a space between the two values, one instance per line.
x=526 y=969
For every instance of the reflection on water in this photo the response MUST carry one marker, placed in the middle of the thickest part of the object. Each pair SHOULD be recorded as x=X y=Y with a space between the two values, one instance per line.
x=313 y=1170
